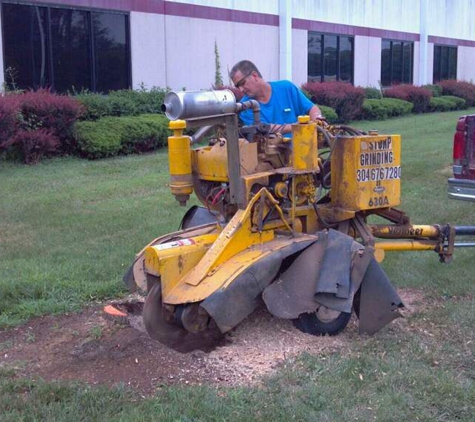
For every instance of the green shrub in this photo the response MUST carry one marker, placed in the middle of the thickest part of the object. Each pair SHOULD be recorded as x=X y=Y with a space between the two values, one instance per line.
x=373 y=93
x=146 y=102
x=417 y=95
x=329 y=114
x=374 y=109
x=95 y=105
x=460 y=103
x=386 y=107
x=126 y=102
x=98 y=106
x=462 y=89
x=397 y=107
x=121 y=135
x=122 y=106
x=441 y=104
x=435 y=89
x=446 y=103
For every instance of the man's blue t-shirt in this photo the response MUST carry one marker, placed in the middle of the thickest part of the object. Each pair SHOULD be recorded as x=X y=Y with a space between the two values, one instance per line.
x=286 y=103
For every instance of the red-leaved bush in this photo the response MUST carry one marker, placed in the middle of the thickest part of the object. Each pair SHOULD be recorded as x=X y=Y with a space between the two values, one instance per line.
x=346 y=99
x=34 y=144
x=38 y=123
x=55 y=113
x=417 y=95
x=9 y=113
x=462 y=89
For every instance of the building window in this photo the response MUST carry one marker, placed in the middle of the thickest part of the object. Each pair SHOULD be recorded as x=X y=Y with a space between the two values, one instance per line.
x=65 y=49
x=330 y=57
x=445 y=63
x=397 y=62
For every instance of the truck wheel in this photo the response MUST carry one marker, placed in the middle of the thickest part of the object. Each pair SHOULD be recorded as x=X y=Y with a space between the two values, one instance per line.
x=324 y=321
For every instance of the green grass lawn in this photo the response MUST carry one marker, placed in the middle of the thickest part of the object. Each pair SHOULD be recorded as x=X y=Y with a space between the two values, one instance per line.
x=70 y=228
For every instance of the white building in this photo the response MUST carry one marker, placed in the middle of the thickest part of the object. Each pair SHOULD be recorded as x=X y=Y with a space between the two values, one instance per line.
x=111 y=44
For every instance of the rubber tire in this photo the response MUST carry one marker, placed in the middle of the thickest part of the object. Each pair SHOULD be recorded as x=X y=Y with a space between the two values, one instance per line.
x=310 y=324
x=172 y=335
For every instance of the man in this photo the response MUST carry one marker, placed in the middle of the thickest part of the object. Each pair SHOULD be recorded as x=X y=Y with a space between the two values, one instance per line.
x=281 y=101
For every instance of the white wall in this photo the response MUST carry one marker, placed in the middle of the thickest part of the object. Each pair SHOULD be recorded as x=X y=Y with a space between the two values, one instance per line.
x=448 y=18
x=367 y=68
x=452 y=19
x=190 y=50
x=148 y=50
x=299 y=56
x=466 y=64
x=263 y=6
x=179 y=51
x=397 y=15
x=188 y=43
x=415 y=75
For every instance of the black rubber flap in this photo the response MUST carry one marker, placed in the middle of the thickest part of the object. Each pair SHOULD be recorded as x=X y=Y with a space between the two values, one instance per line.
x=329 y=272
x=379 y=300
x=231 y=305
x=293 y=293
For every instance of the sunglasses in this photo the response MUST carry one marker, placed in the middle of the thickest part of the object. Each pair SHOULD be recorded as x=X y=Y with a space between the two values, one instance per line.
x=242 y=81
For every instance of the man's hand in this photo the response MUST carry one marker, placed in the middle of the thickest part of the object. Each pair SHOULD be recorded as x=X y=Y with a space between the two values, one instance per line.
x=321 y=121
x=317 y=116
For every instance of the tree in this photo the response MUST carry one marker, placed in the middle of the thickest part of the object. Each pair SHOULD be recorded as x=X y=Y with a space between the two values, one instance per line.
x=218 y=78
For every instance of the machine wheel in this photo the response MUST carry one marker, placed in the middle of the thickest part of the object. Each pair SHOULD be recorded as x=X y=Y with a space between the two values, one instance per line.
x=324 y=321
x=172 y=334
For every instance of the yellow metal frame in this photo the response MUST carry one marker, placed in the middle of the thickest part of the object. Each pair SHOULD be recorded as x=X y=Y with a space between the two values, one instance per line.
x=191 y=261
x=365 y=176
x=366 y=172
x=179 y=160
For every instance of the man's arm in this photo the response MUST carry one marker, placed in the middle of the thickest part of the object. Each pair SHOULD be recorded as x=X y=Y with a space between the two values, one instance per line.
x=315 y=113
x=305 y=104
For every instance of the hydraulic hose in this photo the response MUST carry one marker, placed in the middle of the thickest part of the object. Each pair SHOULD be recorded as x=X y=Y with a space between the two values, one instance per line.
x=254 y=106
x=200 y=133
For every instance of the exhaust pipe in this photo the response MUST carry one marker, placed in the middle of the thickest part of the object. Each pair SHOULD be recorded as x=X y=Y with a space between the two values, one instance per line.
x=194 y=104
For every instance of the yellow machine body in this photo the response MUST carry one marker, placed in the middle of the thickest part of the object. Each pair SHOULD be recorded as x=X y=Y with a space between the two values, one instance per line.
x=366 y=172
x=179 y=158
x=304 y=145
x=210 y=163
x=173 y=260
x=282 y=214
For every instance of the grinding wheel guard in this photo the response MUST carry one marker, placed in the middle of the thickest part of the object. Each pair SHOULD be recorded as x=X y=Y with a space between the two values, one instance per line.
x=329 y=273
x=379 y=301
x=229 y=306
x=136 y=278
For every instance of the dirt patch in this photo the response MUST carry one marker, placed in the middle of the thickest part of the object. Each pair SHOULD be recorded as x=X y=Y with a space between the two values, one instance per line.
x=91 y=347
x=446 y=171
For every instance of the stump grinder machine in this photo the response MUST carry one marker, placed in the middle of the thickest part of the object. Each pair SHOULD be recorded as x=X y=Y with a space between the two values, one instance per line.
x=284 y=222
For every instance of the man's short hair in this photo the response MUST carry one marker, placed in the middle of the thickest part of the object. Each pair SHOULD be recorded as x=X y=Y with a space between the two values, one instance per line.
x=245 y=67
